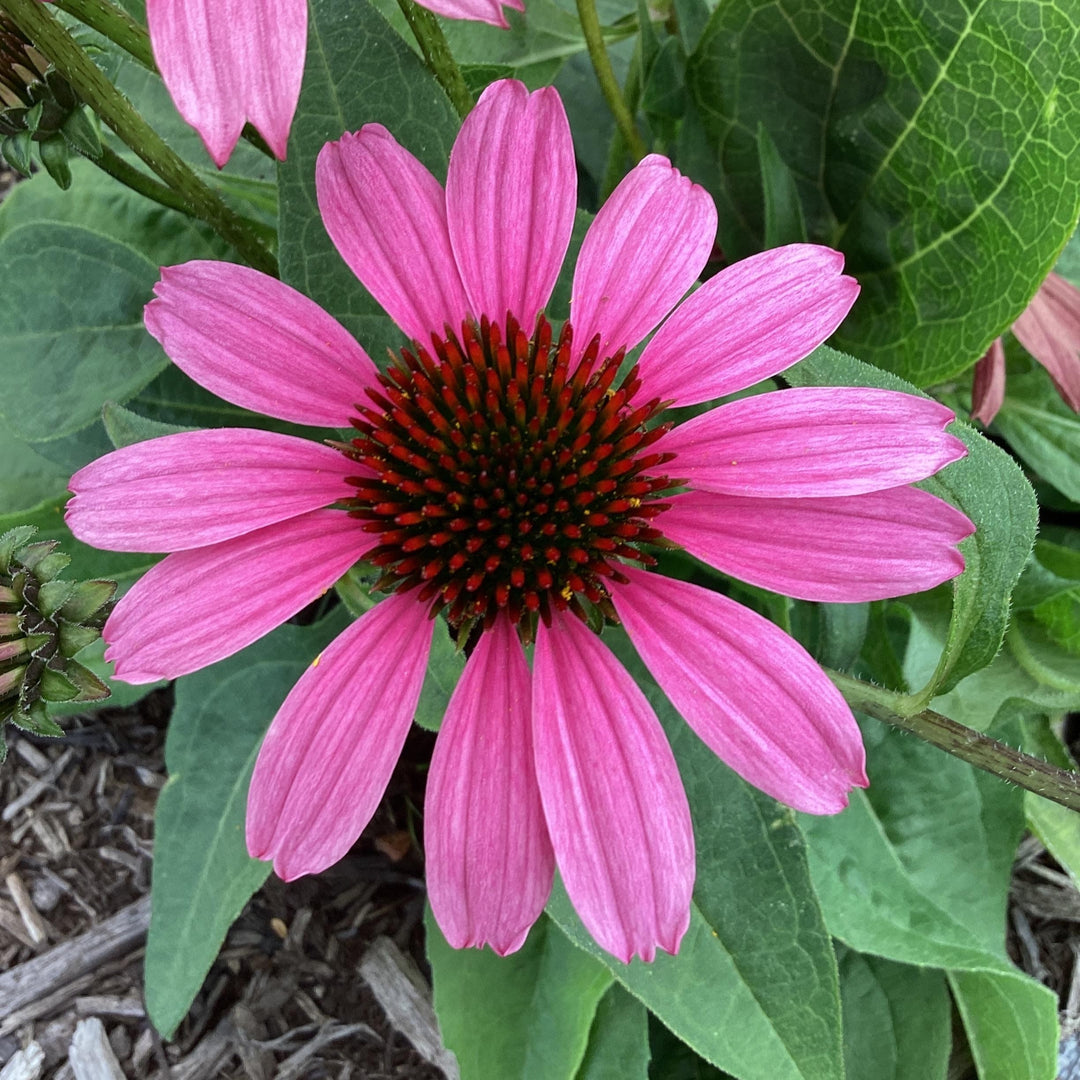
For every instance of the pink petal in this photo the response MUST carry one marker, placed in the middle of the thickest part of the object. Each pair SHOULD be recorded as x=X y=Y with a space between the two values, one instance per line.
x=199 y=487
x=329 y=753
x=813 y=441
x=258 y=343
x=846 y=549
x=750 y=321
x=225 y=61
x=988 y=387
x=489 y=859
x=1050 y=330
x=511 y=194
x=197 y=607
x=387 y=217
x=644 y=249
x=615 y=806
x=753 y=695
x=489 y=11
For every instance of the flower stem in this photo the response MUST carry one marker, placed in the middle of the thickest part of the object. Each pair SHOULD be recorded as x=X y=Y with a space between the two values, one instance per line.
x=990 y=755
x=437 y=55
x=112 y=21
x=605 y=74
x=90 y=83
x=112 y=163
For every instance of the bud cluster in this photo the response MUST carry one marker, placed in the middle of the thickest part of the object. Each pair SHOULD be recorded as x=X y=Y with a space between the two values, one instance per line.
x=38 y=106
x=44 y=623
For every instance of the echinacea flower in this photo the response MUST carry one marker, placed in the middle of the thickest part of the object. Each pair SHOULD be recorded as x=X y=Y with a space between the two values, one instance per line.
x=1049 y=328
x=512 y=478
x=226 y=62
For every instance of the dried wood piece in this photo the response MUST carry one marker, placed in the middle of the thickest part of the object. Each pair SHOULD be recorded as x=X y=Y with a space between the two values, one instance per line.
x=400 y=989
x=38 y=787
x=91 y=1057
x=65 y=962
x=296 y=1064
x=10 y=923
x=207 y=1058
x=109 y=1005
x=36 y=927
x=27 y=1064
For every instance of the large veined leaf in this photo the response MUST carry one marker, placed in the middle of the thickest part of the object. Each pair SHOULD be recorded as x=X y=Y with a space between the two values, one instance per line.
x=203 y=874
x=525 y=1016
x=896 y=1020
x=917 y=869
x=358 y=72
x=753 y=988
x=936 y=145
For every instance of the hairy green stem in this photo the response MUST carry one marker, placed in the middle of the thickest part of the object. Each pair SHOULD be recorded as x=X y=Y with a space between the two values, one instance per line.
x=605 y=74
x=112 y=21
x=90 y=83
x=990 y=755
x=119 y=169
x=437 y=55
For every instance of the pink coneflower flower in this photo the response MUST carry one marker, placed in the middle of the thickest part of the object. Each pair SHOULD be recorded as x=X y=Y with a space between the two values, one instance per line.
x=1049 y=328
x=512 y=478
x=226 y=62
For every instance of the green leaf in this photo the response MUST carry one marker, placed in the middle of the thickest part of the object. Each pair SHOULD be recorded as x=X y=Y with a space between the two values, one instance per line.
x=989 y=487
x=1011 y=1024
x=754 y=915
x=619 y=1040
x=26 y=477
x=937 y=147
x=125 y=427
x=445 y=665
x=526 y=1015
x=1041 y=428
x=896 y=1020
x=358 y=71
x=71 y=323
x=917 y=868
x=203 y=875
x=783 y=212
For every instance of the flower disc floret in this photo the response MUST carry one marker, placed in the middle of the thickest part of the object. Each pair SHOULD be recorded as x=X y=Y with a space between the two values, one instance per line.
x=506 y=477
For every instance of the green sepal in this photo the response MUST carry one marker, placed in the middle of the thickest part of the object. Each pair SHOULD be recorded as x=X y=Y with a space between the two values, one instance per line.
x=52 y=596
x=54 y=156
x=61 y=90
x=32 y=119
x=75 y=638
x=10 y=626
x=90 y=687
x=35 y=641
x=32 y=554
x=16 y=152
x=36 y=720
x=51 y=566
x=81 y=132
x=57 y=687
x=3 y=746
x=86 y=599
x=12 y=539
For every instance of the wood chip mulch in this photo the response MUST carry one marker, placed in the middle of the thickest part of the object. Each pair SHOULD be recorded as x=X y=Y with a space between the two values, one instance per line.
x=321 y=978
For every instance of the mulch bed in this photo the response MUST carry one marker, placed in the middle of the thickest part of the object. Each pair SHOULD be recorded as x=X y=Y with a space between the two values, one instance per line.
x=284 y=999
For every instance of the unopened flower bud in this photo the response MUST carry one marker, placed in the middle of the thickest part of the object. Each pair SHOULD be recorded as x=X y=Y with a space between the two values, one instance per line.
x=44 y=622
x=37 y=105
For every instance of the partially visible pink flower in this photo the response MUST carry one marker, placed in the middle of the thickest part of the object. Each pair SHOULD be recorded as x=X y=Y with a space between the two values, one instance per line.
x=1049 y=328
x=508 y=478
x=226 y=62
